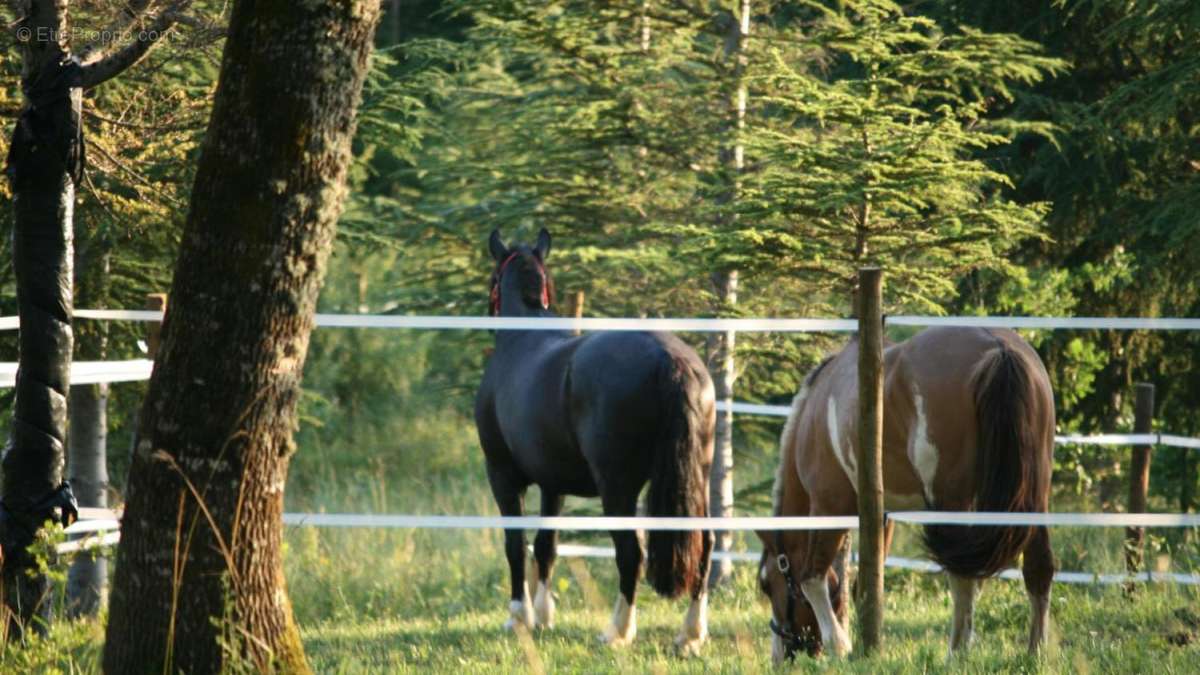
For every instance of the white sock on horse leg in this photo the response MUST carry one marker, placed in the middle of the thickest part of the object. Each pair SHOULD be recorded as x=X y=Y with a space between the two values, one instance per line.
x=963 y=591
x=543 y=605
x=520 y=611
x=623 y=627
x=833 y=635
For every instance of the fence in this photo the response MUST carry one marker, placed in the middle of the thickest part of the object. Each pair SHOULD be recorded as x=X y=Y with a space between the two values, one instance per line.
x=97 y=525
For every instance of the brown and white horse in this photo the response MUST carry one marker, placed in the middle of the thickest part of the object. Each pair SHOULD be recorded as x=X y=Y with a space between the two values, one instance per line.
x=968 y=425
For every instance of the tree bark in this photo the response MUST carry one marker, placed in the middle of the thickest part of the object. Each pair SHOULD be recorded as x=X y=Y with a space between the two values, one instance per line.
x=721 y=345
x=44 y=161
x=1139 y=474
x=199 y=584
x=721 y=366
x=45 y=164
x=87 y=578
x=87 y=447
x=870 y=460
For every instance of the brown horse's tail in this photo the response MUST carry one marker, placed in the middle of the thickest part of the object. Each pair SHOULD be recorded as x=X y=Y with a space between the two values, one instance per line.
x=1009 y=468
x=679 y=478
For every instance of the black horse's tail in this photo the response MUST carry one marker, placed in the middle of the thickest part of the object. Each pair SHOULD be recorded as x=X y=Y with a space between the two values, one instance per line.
x=679 y=478
x=1009 y=470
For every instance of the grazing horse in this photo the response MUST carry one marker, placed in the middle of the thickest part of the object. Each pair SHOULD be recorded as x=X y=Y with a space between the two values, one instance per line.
x=596 y=415
x=968 y=425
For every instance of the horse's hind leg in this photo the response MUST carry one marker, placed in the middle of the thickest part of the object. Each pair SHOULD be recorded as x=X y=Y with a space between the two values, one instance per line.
x=695 y=625
x=509 y=490
x=623 y=627
x=1038 y=570
x=544 y=554
x=963 y=592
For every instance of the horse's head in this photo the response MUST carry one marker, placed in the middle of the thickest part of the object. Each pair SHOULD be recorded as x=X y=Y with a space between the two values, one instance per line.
x=520 y=274
x=794 y=625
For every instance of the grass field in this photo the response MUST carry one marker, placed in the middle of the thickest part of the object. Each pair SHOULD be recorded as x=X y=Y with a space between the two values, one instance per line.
x=383 y=601
x=395 y=601
x=433 y=607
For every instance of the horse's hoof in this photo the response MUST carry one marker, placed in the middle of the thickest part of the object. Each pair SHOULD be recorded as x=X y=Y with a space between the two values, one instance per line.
x=840 y=649
x=543 y=607
x=687 y=647
x=610 y=638
x=520 y=615
x=623 y=627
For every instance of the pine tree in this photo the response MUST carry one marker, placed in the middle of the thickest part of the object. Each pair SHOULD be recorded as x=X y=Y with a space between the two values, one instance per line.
x=869 y=156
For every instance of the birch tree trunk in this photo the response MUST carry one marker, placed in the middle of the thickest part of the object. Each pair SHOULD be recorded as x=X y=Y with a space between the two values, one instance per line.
x=87 y=578
x=87 y=447
x=725 y=282
x=199 y=584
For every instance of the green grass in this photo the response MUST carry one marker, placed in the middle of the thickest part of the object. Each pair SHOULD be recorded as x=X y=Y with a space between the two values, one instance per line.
x=435 y=601
x=1095 y=631
x=371 y=601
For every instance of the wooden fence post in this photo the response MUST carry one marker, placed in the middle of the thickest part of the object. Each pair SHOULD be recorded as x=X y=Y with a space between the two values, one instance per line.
x=870 y=459
x=156 y=302
x=1139 y=474
x=577 y=308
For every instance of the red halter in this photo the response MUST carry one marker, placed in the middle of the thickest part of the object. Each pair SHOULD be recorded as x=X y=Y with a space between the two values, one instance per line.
x=500 y=273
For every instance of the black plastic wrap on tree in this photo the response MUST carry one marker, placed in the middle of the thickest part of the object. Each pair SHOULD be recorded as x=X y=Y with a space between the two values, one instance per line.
x=44 y=163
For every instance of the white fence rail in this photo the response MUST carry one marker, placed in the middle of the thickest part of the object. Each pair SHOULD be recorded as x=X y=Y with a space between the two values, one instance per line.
x=100 y=526
x=916 y=565
x=93 y=372
x=682 y=324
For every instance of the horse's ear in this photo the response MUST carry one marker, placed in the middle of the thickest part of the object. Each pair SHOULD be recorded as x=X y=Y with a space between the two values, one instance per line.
x=543 y=244
x=497 y=248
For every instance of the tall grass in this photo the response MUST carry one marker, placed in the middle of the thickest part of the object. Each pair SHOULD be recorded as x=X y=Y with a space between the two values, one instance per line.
x=434 y=601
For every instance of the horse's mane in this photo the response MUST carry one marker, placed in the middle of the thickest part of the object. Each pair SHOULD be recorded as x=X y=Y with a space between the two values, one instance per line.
x=789 y=430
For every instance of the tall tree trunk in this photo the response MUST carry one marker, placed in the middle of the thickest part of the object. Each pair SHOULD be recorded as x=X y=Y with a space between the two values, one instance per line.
x=87 y=449
x=199 y=583
x=87 y=578
x=725 y=282
x=721 y=365
x=44 y=159
x=45 y=164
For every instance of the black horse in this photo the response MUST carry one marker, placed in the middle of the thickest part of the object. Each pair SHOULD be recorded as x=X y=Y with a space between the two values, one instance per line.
x=599 y=414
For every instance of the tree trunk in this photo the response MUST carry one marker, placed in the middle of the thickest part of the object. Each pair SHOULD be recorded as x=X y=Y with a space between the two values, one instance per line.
x=87 y=578
x=44 y=161
x=721 y=366
x=45 y=164
x=199 y=583
x=721 y=345
x=87 y=449
x=1139 y=474
x=870 y=460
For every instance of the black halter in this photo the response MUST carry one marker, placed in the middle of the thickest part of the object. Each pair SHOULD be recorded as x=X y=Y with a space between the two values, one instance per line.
x=792 y=642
